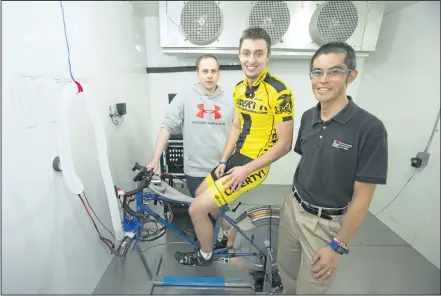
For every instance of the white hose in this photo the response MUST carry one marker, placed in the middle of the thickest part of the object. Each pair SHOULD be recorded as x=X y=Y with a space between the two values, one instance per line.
x=72 y=180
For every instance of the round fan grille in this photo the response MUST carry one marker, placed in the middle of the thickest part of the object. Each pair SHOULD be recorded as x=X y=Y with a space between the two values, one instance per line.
x=201 y=22
x=337 y=21
x=272 y=16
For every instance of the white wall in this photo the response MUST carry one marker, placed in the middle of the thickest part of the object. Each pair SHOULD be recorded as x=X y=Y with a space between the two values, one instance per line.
x=49 y=245
x=401 y=86
x=293 y=72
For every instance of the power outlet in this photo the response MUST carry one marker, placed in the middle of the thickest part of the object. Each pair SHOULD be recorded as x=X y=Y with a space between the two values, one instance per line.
x=421 y=160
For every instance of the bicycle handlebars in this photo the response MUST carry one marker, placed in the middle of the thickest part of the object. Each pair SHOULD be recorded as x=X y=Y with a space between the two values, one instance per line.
x=143 y=173
x=137 y=167
x=145 y=177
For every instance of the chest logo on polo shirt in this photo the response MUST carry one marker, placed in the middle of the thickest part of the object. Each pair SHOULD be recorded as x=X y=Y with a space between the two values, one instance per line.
x=341 y=145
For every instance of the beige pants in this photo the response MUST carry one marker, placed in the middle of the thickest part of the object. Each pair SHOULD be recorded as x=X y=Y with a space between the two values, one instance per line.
x=301 y=234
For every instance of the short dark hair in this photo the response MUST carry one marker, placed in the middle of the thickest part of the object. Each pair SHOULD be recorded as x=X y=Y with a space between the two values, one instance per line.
x=337 y=47
x=205 y=56
x=256 y=33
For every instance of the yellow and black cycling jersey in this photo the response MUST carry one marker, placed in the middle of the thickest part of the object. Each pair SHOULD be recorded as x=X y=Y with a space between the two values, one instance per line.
x=260 y=106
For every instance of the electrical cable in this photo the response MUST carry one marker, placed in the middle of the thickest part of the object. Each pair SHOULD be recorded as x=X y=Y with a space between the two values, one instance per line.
x=151 y=234
x=97 y=216
x=157 y=245
x=166 y=13
x=154 y=235
x=67 y=41
x=116 y=119
x=396 y=196
x=161 y=244
x=433 y=133
x=80 y=88
x=415 y=170
x=106 y=241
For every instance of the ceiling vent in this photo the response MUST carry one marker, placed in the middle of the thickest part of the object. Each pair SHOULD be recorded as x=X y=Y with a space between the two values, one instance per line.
x=273 y=16
x=296 y=28
x=333 y=21
x=201 y=22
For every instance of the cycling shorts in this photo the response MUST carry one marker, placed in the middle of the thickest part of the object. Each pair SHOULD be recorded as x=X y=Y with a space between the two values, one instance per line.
x=221 y=194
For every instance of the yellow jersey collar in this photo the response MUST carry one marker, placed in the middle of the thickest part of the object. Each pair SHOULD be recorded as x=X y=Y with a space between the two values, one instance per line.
x=259 y=79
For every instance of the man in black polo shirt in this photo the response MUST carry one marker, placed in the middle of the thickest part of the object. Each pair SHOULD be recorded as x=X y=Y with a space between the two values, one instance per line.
x=344 y=156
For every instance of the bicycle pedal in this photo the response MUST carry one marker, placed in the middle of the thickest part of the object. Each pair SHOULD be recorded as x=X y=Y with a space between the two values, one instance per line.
x=277 y=290
x=221 y=260
x=221 y=243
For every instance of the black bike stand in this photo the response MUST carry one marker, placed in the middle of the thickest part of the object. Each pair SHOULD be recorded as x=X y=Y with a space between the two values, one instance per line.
x=266 y=281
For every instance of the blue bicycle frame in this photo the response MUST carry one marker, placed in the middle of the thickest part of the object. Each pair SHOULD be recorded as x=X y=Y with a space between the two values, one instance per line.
x=141 y=207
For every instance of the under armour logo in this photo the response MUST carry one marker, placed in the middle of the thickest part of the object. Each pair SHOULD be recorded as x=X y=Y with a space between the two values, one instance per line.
x=202 y=111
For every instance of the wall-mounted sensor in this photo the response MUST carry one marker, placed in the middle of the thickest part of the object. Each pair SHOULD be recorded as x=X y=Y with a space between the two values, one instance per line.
x=121 y=108
x=116 y=116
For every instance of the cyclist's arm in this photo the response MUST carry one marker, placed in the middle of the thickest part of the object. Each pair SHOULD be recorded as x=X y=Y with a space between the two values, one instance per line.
x=284 y=122
x=284 y=132
x=232 y=138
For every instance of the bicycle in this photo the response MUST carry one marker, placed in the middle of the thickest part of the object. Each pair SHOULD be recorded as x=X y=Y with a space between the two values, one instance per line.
x=257 y=253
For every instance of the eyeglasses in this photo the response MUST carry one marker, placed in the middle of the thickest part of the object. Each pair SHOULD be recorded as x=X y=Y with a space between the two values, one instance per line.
x=330 y=73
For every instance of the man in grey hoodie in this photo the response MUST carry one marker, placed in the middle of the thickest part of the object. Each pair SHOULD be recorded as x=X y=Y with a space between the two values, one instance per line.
x=204 y=113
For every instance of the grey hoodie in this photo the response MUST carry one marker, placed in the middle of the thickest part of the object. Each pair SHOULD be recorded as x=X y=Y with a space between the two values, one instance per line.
x=205 y=121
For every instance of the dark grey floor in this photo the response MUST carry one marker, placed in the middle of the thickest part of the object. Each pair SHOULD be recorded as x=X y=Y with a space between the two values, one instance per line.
x=380 y=261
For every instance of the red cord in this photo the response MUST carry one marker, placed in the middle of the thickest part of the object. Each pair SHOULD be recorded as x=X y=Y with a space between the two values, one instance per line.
x=80 y=87
x=87 y=210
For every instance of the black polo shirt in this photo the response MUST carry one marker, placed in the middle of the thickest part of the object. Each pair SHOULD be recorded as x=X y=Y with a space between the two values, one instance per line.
x=352 y=146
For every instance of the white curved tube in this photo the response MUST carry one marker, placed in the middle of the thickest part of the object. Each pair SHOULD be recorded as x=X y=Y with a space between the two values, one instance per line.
x=63 y=140
x=73 y=182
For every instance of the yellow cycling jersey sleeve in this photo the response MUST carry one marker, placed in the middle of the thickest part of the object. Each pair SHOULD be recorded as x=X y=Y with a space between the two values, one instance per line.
x=282 y=105
x=260 y=106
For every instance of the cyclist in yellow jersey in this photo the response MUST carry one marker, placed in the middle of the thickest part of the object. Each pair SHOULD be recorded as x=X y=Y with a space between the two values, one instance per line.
x=262 y=132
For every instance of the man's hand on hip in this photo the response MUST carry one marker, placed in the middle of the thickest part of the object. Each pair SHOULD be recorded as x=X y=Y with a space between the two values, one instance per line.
x=324 y=263
x=236 y=176
x=220 y=170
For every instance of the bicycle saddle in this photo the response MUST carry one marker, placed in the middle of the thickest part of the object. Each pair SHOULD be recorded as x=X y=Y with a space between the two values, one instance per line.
x=169 y=192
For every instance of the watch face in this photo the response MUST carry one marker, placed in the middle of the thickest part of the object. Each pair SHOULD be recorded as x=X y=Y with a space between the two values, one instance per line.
x=336 y=247
x=340 y=250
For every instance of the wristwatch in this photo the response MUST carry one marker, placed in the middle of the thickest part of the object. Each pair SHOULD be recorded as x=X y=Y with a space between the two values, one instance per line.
x=338 y=248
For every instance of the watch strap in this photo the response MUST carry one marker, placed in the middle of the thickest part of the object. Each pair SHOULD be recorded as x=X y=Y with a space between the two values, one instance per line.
x=338 y=247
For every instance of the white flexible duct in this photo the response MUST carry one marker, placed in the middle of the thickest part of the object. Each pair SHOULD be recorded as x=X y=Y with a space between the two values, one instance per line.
x=73 y=182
